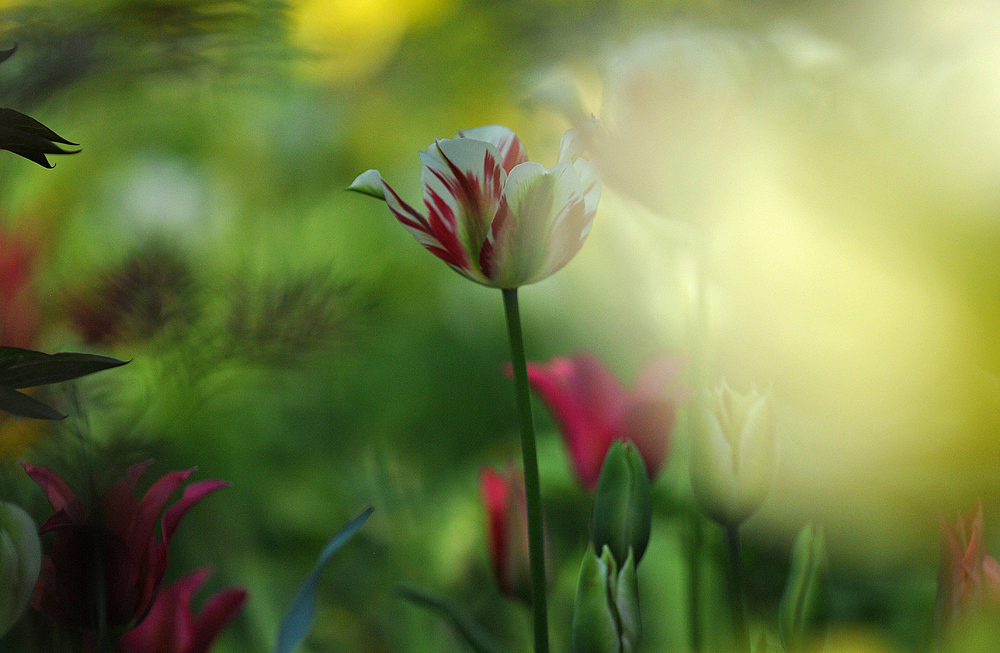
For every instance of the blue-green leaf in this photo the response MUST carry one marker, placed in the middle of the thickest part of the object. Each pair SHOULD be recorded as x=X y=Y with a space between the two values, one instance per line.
x=298 y=619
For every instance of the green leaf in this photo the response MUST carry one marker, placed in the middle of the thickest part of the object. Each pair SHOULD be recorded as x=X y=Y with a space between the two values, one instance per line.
x=24 y=368
x=20 y=404
x=464 y=625
x=298 y=619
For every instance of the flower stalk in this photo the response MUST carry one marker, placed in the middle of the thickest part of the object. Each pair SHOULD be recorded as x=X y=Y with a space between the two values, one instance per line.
x=735 y=585
x=532 y=487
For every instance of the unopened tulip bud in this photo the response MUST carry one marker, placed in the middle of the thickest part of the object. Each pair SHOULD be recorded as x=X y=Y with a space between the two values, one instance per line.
x=804 y=603
x=623 y=507
x=595 y=624
x=606 y=611
x=627 y=602
x=20 y=562
x=733 y=455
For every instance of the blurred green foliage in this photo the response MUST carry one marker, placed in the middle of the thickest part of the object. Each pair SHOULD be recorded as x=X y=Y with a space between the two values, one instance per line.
x=292 y=339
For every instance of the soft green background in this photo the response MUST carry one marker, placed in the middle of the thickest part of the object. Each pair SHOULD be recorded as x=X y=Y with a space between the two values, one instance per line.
x=297 y=343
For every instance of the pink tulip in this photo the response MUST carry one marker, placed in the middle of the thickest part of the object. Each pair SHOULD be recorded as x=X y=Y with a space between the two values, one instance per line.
x=968 y=578
x=171 y=627
x=592 y=410
x=507 y=531
x=492 y=215
x=115 y=546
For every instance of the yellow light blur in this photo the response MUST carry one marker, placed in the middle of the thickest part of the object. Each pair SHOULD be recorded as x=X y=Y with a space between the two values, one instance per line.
x=344 y=40
x=848 y=209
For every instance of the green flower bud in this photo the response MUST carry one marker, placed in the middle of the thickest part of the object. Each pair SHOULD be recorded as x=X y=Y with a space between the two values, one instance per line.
x=595 y=625
x=733 y=454
x=804 y=603
x=623 y=507
x=20 y=562
x=627 y=602
x=606 y=611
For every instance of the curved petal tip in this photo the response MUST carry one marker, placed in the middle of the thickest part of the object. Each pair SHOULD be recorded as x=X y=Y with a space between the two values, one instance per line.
x=368 y=182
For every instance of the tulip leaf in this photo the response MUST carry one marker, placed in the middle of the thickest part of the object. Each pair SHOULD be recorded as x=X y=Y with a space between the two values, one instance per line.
x=298 y=619
x=24 y=368
x=463 y=623
x=20 y=404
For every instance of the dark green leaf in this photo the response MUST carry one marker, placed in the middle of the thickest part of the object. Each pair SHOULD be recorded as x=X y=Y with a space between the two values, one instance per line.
x=25 y=136
x=23 y=368
x=21 y=404
x=298 y=619
x=464 y=625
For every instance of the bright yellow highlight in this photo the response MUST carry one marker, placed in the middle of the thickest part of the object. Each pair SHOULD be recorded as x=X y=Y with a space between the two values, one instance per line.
x=344 y=40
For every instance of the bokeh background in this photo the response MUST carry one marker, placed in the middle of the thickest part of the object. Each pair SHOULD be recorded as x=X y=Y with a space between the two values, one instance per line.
x=826 y=173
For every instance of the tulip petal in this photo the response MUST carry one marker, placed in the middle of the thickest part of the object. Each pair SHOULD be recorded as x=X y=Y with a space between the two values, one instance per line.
x=155 y=500
x=587 y=402
x=463 y=182
x=192 y=495
x=495 y=493
x=517 y=239
x=119 y=504
x=578 y=192
x=171 y=624
x=60 y=496
x=371 y=183
x=541 y=226
x=647 y=424
x=215 y=614
x=506 y=141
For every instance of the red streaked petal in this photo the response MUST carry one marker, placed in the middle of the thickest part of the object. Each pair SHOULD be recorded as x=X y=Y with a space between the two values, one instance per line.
x=463 y=182
x=509 y=146
x=371 y=183
x=521 y=240
x=574 y=207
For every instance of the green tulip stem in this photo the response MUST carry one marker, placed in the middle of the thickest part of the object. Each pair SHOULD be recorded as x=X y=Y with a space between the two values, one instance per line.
x=694 y=582
x=735 y=585
x=529 y=456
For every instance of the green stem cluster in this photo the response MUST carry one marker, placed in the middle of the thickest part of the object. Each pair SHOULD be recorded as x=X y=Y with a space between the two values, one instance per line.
x=532 y=487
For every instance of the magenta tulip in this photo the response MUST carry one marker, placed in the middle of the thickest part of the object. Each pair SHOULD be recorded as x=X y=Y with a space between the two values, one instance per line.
x=593 y=409
x=171 y=626
x=507 y=531
x=111 y=555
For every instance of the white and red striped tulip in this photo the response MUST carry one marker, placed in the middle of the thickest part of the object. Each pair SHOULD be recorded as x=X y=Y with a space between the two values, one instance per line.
x=492 y=215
